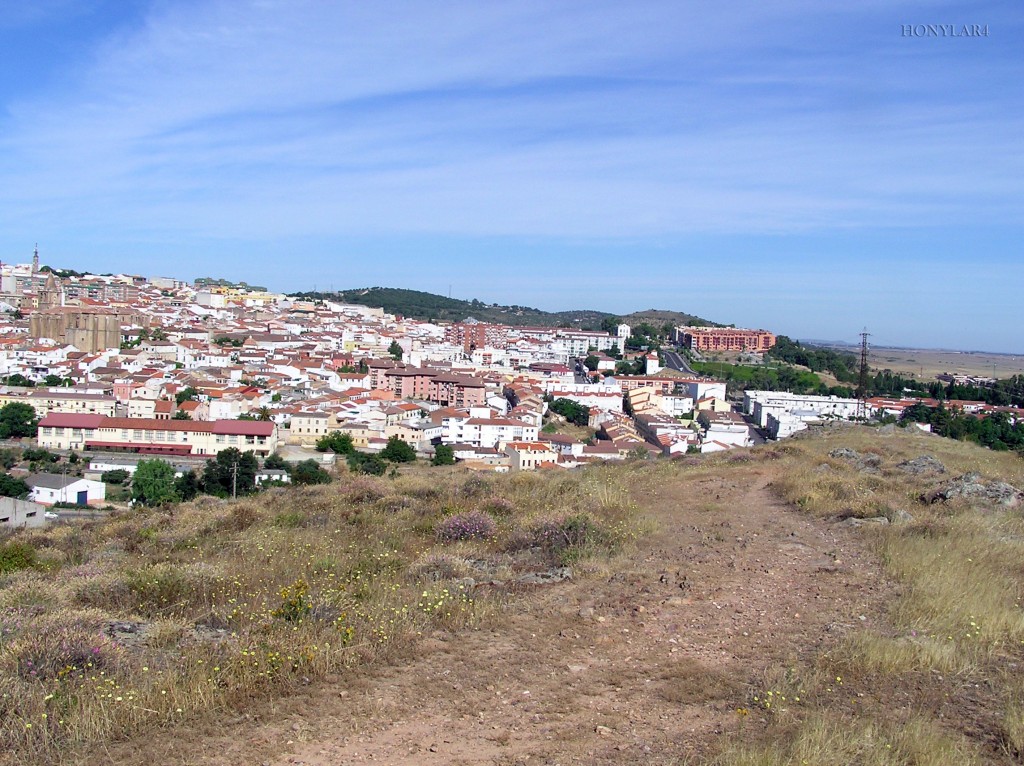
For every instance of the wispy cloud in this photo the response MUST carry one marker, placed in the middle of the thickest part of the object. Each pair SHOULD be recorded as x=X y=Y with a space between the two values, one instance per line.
x=221 y=129
x=266 y=119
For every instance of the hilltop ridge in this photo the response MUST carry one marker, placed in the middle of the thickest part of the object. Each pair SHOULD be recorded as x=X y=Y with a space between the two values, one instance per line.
x=417 y=304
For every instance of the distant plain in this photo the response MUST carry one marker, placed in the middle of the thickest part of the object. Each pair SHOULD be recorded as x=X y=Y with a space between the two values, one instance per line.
x=928 y=363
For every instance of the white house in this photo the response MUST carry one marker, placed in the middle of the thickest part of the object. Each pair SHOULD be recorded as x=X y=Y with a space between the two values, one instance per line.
x=50 y=488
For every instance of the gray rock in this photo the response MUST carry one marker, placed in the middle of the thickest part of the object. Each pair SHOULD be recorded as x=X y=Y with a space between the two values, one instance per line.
x=842 y=453
x=899 y=516
x=972 y=487
x=559 y=574
x=870 y=464
x=922 y=464
x=873 y=521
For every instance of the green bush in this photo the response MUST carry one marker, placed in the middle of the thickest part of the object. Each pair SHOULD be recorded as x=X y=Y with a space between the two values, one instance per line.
x=117 y=476
x=15 y=556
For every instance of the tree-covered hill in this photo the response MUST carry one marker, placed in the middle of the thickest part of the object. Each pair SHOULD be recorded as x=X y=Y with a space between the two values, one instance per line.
x=416 y=304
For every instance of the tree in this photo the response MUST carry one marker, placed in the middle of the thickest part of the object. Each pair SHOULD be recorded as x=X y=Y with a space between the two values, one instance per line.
x=590 y=362
x=395 y=350
x=572 y=411
x=18 y=419
x=363 y=463
x=186 y=395
x=310 y=472
x=116 y=476
x=443 y=455
x=57 y=380
x=398 y=451
x=276 y=462
x=219 y=475
x=12 y=487
x=153 y=483
x=39 y=455
x=187 y=485
x=17 y=379
x=181 y=415
x=336 y=442
x=264 y=414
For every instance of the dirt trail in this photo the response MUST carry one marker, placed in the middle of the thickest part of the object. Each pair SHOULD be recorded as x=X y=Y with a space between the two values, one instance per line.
x=646 y=666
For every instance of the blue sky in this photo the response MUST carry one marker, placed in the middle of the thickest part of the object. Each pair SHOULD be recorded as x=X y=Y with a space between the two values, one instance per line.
x=798 y=166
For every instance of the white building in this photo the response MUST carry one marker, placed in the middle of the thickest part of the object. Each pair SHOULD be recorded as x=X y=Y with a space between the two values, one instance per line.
x=50 y=488
x=761 y=404
x=17 y=514
x=483 y=430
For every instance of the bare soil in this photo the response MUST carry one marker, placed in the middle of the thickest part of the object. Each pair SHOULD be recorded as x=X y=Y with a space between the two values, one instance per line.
x=647 y=664
x=927 y=363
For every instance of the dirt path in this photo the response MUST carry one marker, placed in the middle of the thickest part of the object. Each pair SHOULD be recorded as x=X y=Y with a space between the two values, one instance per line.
x=646 y=666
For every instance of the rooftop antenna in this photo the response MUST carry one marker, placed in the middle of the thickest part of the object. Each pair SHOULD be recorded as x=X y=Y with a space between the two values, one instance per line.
x=862 y=380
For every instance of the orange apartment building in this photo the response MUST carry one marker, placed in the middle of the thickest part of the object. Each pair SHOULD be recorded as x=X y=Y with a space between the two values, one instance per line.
x=723 y=339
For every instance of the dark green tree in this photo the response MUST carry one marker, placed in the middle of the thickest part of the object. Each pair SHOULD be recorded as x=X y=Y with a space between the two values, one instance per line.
x=276 y=462
x=398 y=451
x=443 y=455
x=39 y=455
x=8 y=458
x=395 y=350
x=187 y=485
x=153 y=483
x=310 y=472
x=116 y=476
x=590 y=362
x=362 y=463
x=17 y=379
x=186 y=395
x=12 y=487
x=181 y=415
x=336 y=442
x=219 y=474
x=18 y=419
x=572 y=411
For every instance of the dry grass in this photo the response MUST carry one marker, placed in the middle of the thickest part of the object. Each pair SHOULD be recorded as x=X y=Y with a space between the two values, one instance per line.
x=958 y=619
x=827 y=738
x=154 y=617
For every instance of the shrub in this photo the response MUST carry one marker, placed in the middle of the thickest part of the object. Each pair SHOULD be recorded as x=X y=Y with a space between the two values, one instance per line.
x=290 y=520
x=117 y=476
x=15 y=556
x=474 y=525
x=501 y=507
x=566 y=537
x=295 y=603
x=65 y=647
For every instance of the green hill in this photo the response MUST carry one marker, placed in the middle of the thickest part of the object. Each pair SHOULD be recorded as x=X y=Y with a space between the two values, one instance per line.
x=416 y=304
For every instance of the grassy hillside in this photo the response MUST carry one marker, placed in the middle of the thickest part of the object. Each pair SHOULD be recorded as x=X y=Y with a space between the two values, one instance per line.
x=155 y=618
x=416 y=304
x=814 y=601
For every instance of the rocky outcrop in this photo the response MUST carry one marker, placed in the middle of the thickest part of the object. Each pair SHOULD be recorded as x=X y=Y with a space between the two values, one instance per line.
x=972 y=487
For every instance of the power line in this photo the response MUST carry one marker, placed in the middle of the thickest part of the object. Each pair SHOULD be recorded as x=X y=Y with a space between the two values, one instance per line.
x=862 y=382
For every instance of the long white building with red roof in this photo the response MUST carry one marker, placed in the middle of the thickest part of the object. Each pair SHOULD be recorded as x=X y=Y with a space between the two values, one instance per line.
x=69 y=431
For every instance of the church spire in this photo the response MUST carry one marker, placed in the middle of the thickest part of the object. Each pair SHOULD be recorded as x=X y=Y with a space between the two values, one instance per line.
x=35 y=260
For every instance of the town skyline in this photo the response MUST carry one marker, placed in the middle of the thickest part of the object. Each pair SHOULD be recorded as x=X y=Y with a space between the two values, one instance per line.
x=809 y=169
x=852 y=341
